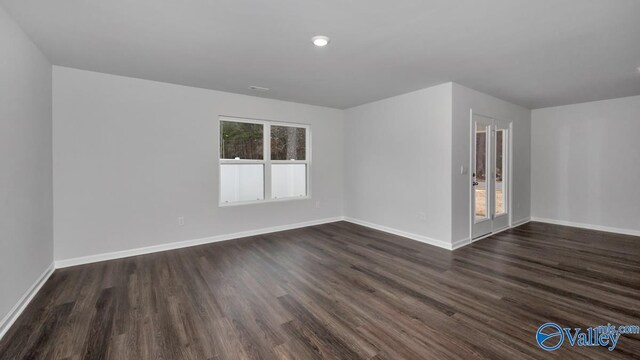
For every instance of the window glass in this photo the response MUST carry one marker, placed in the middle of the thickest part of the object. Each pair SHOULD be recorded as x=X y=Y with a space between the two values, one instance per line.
x=500 y=167
x=241 y=182
x=241 y=141
x=288 y=180
x=288 y=143
x=249 y=172
x=479 y=175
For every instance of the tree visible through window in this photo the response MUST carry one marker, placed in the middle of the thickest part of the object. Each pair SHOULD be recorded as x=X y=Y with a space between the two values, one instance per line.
x=241 y=140
x=288 y=143
x=252 y=170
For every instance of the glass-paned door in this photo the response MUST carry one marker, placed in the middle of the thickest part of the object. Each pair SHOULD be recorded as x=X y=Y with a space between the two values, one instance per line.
x=490 y=175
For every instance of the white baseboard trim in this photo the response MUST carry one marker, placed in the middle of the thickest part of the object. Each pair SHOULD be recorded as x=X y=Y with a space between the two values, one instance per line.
x=19 y=307
x=187 y=243
x=520 y=222
x=460 y=243
x=421 y=238
x=468 y=241
x=493 y=233
x=588 y=226
x=455 y=245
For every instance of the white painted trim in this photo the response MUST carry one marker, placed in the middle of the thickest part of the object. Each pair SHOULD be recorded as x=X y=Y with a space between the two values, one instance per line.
x=492 y=233
x=513 y=225
x=460 y=243
x=493 y=125
x=19 y=307
x=412 y=236
x=466 y=241
x=266 y=161
x=588 y=226
x=195 y=242
x=520 y=222
x=187 y=243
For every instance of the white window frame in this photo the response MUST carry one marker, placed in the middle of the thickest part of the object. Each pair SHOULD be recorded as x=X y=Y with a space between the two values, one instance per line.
x=266 y=160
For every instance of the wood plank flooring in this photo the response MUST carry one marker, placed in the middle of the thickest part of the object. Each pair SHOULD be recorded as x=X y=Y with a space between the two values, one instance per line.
x=339 y=291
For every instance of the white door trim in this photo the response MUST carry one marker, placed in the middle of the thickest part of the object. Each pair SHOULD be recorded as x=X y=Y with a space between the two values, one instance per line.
x=501 y=224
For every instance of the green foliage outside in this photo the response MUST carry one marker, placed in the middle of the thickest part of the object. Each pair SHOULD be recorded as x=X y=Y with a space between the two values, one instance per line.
x=246 y=141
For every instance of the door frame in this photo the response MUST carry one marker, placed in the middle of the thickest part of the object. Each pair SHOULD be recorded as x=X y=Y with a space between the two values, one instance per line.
x=508 y=125
x=485 y=224
x=491 y=159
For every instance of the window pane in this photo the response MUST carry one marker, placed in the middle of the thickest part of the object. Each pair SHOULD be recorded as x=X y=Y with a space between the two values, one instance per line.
x=479 y=175
x=288 y=180
x=288 y=143
x=500 y=175
x=244 y=182
x=241 y=140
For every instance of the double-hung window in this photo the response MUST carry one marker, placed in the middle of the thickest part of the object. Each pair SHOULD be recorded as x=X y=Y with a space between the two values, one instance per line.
x=263 y=161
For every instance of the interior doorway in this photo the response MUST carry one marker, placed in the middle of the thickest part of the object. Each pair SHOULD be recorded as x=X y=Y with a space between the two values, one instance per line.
x=490 y=175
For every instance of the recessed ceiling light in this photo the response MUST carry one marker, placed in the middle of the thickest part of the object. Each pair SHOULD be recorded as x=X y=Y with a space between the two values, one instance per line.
x=320 y=40
x=258 y=88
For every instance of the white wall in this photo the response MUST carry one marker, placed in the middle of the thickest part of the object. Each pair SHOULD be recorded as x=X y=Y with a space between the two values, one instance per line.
x=131 y=156
x=586 y=164
x=26 y=238
x=403 y=157
x=398 y=163
x=465 y=100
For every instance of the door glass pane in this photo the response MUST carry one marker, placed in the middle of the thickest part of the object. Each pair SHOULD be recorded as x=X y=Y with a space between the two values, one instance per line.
x=241 y=182
x=288 y=180
x=241 y=141
x=479 y=174
x=288 y=143
x=500 y=193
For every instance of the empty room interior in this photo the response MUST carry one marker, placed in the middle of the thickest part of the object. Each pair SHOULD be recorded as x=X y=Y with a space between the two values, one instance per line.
x=363 y=179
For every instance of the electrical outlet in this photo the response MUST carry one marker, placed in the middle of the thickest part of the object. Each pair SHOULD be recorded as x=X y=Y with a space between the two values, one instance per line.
x=181 y=221
x=317 y=204
x=422 y=216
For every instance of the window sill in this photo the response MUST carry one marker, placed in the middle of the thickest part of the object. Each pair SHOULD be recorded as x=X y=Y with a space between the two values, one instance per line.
x=266 y=201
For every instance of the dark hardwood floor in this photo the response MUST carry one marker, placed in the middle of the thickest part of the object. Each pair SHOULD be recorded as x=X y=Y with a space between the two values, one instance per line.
x=339 y=291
